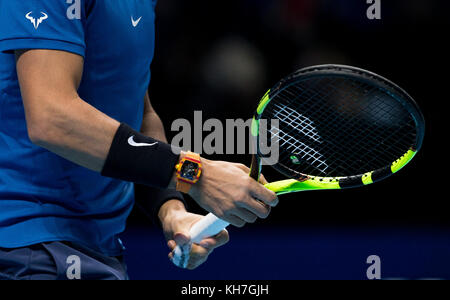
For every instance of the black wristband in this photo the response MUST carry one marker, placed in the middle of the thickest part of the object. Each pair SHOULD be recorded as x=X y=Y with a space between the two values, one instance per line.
x=150 y=200
x=140 y=159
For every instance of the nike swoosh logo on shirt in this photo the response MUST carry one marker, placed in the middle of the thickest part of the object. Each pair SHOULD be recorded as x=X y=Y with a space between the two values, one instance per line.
x=135 y=22
x=131 y=142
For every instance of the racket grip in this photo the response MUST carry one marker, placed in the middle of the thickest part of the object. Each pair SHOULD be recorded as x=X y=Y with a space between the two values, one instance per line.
x=209 y=226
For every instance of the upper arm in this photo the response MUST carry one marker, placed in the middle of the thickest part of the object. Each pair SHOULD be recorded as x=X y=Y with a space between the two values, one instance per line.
x=47 y=78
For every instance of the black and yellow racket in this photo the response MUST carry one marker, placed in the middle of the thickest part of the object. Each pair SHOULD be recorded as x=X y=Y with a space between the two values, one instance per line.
x=338 y=127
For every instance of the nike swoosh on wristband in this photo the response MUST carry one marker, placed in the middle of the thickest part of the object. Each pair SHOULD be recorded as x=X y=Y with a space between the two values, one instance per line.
x=135 y=23
x=131 y=142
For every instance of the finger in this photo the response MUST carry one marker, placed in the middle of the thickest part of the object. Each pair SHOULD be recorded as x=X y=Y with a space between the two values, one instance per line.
x=259 y=192
x=216 y=241
x=246 y=169
x=171 y=244
x=199 y=252
x=260 y=209
x=234 y=220
x=245 y=215
x=263 y=180
x=197 y=256
x=181 y=239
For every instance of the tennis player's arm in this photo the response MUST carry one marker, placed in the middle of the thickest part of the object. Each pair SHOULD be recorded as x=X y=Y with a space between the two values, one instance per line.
x=60 y=121
x=57 y=118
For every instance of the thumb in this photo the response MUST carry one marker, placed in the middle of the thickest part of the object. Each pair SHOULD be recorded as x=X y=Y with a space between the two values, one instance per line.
x=181 y=238
x=181 y=231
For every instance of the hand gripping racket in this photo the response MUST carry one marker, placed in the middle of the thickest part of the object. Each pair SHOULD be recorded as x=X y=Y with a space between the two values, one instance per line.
x=338 y=127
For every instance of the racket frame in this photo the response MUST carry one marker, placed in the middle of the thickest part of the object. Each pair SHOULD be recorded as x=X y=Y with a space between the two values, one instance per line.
x=305 y=182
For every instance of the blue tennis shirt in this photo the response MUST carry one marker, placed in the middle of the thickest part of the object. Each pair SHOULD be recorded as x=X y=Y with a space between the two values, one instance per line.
x=44 y=197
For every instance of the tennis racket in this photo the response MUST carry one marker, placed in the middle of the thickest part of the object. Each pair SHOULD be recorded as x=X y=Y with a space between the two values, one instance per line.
x=338 y=127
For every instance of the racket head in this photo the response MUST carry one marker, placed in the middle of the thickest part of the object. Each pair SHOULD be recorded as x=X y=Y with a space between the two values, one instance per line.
x=339 y=127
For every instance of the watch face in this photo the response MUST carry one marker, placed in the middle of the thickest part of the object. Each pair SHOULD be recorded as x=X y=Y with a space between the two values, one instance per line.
x=189 y=170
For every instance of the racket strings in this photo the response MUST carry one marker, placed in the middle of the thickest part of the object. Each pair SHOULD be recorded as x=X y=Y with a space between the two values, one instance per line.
x=302 y=150
x=322 y=113
x=334 y=127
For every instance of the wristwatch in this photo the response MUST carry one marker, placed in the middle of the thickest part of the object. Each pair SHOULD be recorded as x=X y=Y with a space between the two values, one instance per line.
x=188 y=173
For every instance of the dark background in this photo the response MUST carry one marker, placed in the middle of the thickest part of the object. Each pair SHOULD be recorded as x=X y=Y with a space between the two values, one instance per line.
x=221 y=56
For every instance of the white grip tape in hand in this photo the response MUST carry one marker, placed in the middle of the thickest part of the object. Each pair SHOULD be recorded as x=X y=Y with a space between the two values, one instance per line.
x=209 y=226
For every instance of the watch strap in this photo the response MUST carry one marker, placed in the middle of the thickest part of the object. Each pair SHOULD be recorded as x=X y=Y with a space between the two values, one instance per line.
x=183 y=186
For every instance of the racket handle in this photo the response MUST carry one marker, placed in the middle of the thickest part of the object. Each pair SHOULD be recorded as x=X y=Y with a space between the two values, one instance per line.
x=208 y=226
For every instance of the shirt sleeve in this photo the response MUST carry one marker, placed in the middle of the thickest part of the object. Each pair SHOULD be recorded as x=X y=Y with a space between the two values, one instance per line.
x=43 y=24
